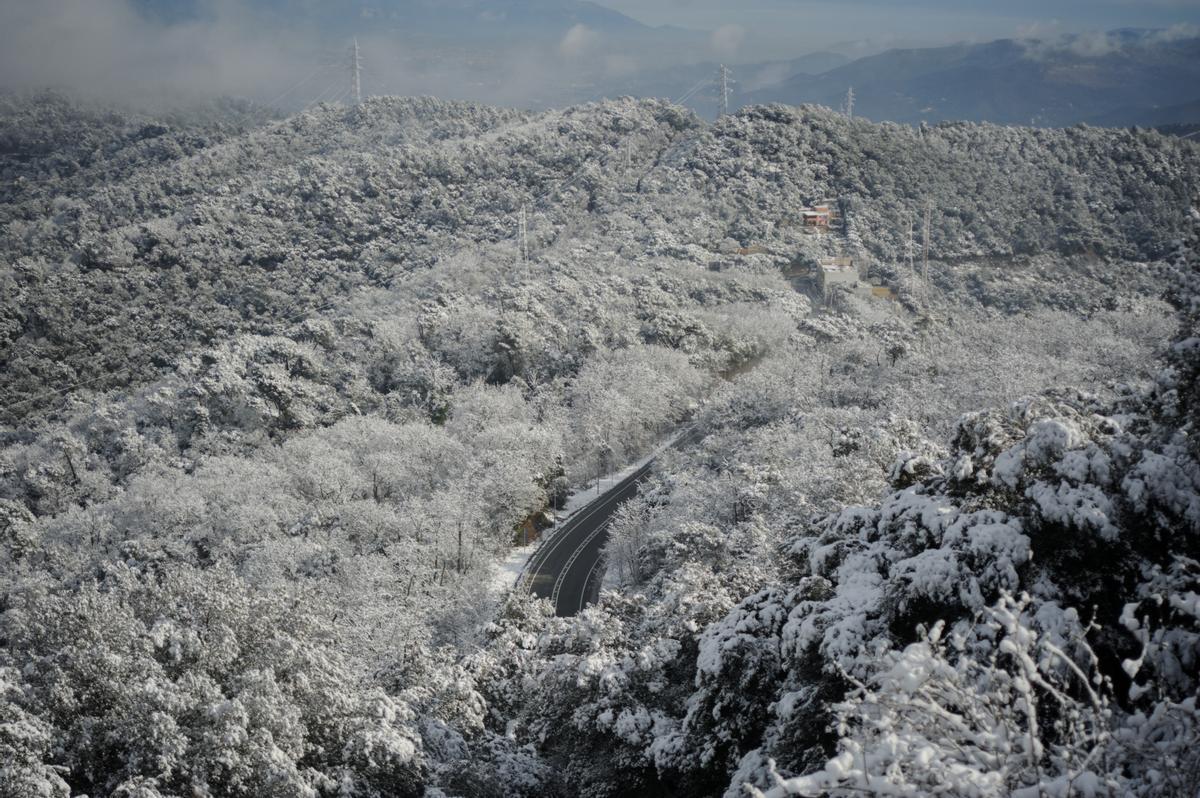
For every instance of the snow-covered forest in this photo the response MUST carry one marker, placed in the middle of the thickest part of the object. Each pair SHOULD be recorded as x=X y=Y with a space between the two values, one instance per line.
x=280 y=395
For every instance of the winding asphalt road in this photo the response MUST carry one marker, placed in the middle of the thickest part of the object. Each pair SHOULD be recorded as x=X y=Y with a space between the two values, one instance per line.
x=566 y=568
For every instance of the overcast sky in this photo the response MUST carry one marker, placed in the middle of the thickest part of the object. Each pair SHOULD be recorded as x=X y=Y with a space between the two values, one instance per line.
x=806 y=25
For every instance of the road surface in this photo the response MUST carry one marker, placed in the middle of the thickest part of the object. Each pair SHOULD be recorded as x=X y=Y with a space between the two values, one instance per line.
x=566 y=568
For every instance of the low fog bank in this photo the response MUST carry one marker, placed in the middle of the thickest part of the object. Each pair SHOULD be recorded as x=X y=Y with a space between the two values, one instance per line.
x=540 y=54
x=119 y=51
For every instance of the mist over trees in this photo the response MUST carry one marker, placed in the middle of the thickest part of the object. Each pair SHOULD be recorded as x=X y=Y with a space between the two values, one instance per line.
x=1123 y=64
x=280 y=393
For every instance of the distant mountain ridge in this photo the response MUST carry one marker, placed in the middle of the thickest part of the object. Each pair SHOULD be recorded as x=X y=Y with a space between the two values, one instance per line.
x=1187 y=113
x=1121 y=77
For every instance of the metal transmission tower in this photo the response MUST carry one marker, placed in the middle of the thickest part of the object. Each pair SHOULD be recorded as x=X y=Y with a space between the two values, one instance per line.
x=726 y=88
x=356 y=73
x=848 y=105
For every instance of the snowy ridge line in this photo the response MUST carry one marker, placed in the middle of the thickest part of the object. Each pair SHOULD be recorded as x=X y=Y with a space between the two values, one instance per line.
x=539 y=201
x=674 y=149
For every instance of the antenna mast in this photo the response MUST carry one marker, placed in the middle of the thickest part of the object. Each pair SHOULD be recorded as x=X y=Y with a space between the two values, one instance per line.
x=356 y=70
x=850 y=102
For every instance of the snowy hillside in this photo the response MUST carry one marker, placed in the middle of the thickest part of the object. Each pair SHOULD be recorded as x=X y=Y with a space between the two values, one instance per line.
x=279 y=394
x=204 y=231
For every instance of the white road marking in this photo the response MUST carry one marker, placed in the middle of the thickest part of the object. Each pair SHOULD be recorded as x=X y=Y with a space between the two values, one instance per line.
x=587 y=581
x=566 y=569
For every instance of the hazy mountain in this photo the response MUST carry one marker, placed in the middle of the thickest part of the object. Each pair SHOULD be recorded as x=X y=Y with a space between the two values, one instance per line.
x=1118 y=77
x=695 y=84
x=1160 y=116
x=754 y=77
x=457 y=18
x=816 y=63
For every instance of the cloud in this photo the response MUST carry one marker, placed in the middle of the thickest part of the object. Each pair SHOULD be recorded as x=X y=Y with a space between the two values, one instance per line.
x=727 y=40
x=1177 y=32
x=104 y=48
x=620 y=65
x=578 y=41
x=770 y=75
x=1090 y=45
x=1045 y=41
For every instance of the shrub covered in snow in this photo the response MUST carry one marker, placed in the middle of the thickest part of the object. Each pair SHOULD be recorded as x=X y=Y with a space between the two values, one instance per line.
x=155 y=679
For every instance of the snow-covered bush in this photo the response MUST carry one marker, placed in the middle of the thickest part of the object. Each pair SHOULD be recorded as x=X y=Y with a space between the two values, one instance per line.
x=156 y=679
x=993 y=707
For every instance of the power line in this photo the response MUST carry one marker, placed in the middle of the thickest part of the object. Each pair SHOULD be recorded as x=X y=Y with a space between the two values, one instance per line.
x=687 y=95
x=297 y=84
x=330 y=91
x=342 y=95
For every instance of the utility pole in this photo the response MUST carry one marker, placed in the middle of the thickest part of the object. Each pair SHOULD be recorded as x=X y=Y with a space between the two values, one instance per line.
x=925 y=242
x=911 y=269
x=523 y=234
x=849 y=104
x=356 y=71
x=725 y=90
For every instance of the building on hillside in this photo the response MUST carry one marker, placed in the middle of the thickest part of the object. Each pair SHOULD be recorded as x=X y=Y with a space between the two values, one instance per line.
x=814 y=219
x=820 y=216
x=837 y=271
x=834 y=272
x=840 y=262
